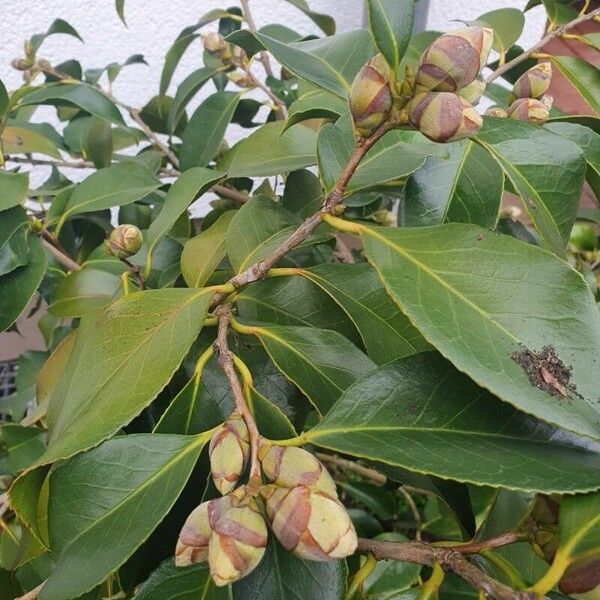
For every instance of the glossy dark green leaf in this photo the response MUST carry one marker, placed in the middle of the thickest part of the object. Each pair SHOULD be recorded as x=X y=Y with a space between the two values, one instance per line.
x=112 y=349
x=22 y=283
x=204 y=252
x=315 y=103
x=377 y=499
x=272 y=151
x=133 y=479
x=303 y=194
x=4 y=100
x=583 y=76
x=84 y=291
x=14 y=246
x=320 y=362
x=181 y=194
x=466 y=187
x=579 y=526
x=325 y=22
x=174 y=54
x=204 y=133
x=98 y=143
x=545 y=170
x=57 y=26
x=461 y=286
x=421 y=414
x=13 y=189
x=385 y=331
x=169 y=582
x=507 y=24
x=391 y=24
x=80 y=95
x=22 y=445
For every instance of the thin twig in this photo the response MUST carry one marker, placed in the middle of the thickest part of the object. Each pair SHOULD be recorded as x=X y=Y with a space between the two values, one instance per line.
x=264 y=57
x=424 y=554
x=64 y=259
x=225 y=361
x=553 y=34
x=349 y=465
x=414 y=511
x=32 y=594
x=512 y=537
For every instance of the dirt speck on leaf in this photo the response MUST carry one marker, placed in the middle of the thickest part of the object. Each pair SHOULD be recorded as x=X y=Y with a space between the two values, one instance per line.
x=546 y=370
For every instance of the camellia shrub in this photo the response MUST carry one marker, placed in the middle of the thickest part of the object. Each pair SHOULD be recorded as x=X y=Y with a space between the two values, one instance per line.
x=371 y=371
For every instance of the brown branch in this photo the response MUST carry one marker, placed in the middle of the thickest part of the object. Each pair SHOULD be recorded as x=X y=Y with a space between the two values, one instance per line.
x=512 y=537
x=264 y=57
x=33 y=594
x=349 y=465
x=424 y=554
x=553 y=34
x=54 y=248
x=225 y=361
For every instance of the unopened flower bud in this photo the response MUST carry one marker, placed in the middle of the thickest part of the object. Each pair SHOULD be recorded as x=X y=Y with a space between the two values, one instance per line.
x=371 y=96
x=215 y=45
x=384 y=217
x=228 y=450
x=124 y=241
x=20 y=64
x=310 y=523
x=454 y=59
x=192 y=545
x=534 y=83
x=581 y=577
x=288 y=466
x=239 y=56
x=238 y=540
x=443 y=116
x=240 y=79
x=473 y=92
x=529 y=109
x=43 y=64
x=496 y=111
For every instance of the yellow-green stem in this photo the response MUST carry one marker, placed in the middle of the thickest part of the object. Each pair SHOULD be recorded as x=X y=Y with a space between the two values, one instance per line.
x=431 y=587
x=360 y=576
x=343 y=225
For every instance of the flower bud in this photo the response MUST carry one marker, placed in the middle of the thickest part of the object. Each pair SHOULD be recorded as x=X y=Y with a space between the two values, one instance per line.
x=384 y=217
x=496 y=111
x=310 y=523
x=529 y=109
x=371 y=96
x=288 y=466
x=534 y=83
x=454 y=59
x=473 y=92
x=228 y=450
x=443 y=116
x=20 y=64
x=240 y=79
x=192 y=545
x=581 y=577
x=124 y=241
x=215 y=45
x=239 y=538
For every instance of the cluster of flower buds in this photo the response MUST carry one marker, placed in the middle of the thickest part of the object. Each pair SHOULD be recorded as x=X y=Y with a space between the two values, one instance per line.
x=229 y=532
x=124 y=241
x=302 y=505
x=216 y=45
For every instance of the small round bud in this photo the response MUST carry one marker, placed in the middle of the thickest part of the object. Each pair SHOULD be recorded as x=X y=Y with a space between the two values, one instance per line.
x=288 y=466
x=20 y=64
x=310 y=523
x=371 y=96
x=124 y=241
x=43 y=64
x=384 y=217
x=534 y=83
x=238 y=540
x=192 y=545
x=443 y=116
x=581 y=577
x=454 y=59
x=228 y=450
x=215 y=45
x=529 y=109
x=473 y=92
x=496 y=111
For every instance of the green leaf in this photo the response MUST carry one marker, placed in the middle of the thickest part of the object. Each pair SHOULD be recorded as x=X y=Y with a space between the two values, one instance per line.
x=583 y=76
x=579 y=526
x=282 y=576
x=4 y=100
x=421 y=414
x=204 y=252
x=81 y=95
x=14 y=246
x=22 y=140
x=386 y=332
x=465 y=186
x=256 y=229
x=120 y=184
x=303 y=194
x=204 y=133
x=271 y=151
x=22 y=283
x=13 y=189
x=462 y=288
x=391 y=24
x=186 y=91
x=182 y=193
x=23 y=445
x=84 y=291
x=113 y=348
x=169 y=582
x=320 y=362
x=391 y=158
x=507 y=24
x=315 y=103
x=589 y=141
x=545 y=170
x=57 y=26
x=133 y=479
x=325 y=22
x=330 y=64
x=174 y=54
x=120 y=8
x=98 y=143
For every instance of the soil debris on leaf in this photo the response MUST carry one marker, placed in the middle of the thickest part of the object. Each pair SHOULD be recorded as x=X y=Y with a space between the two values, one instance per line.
x=545 y=370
